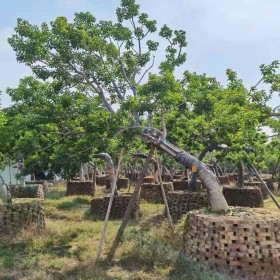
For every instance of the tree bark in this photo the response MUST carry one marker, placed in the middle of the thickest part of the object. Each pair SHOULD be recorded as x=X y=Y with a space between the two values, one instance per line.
x=240 y=180
x=210 y=181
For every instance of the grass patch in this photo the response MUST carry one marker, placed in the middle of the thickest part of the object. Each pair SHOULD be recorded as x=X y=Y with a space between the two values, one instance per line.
x=67 y=248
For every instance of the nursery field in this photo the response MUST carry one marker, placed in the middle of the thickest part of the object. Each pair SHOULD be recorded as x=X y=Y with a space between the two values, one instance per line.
x=67 y=247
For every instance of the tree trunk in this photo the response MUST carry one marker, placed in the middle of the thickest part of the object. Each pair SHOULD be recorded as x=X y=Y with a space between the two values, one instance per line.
x=210 y=181
x=94 y=179
x=240 y=180
x=217 y=199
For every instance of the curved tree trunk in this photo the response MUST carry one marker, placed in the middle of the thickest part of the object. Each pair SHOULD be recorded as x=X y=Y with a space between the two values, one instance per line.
x=109 y=167
x=217 y=200
x=210 y=181
x=5 y=194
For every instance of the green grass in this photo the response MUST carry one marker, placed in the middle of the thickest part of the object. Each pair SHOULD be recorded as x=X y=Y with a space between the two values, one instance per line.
x=67 y=248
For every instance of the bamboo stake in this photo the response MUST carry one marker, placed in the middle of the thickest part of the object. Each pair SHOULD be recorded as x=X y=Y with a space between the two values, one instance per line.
x=164 y=197
x=131 y=203
x=113 y=188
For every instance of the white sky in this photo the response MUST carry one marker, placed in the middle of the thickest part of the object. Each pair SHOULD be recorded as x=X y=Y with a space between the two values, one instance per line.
x=240 y=34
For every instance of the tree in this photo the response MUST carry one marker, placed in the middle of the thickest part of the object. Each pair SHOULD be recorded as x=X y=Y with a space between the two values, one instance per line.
x=107 y=60
x=54 y=127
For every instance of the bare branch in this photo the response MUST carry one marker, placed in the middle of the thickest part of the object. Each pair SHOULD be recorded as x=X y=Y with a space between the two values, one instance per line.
x=140 y=126
x=147 y=70
x=252 y=88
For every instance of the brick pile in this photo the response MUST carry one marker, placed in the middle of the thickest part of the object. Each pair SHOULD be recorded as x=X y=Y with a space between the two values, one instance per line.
x=180 y=202
x=80 y=188
x=101 y=179
x=246 y=197
x=180 y=185
x=122 y=183
x=257 y=184
x=14 y=217
x=177 y=177
x=271 y=185
x=99 y=206
x=148 y=180
x=166 y=177
x=244 y=243
x=152 y=192
x=29 y=191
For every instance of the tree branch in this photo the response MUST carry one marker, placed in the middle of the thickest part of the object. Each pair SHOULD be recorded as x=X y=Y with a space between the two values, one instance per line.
x=147 y=70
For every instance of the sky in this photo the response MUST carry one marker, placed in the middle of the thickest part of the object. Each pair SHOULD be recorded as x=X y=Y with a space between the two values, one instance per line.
x=221 y=34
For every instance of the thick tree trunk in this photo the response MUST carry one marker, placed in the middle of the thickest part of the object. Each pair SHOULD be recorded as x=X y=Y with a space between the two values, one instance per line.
x=5 y=194
x=109 y=167
x=240 y=180
x=210 y=181
x=192 y=184
x=94 y=179
x=217 y=200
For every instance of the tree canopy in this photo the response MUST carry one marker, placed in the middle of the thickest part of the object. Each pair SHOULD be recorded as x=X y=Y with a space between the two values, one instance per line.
x=90 y=79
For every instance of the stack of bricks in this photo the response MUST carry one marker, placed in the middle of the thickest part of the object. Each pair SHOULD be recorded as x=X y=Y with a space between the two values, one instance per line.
x=121 y=183
x=180 y=202
x=180 y=185
x=245 y=244
x=258 y=184
x=271 y=185
x=246 y=197
x=166 y=177
x=101 y=180
x=148 y=180
x=177 y=177
x=183 y=185
x=80 y=188
x=29 y=191
x=152 y=192
x=99 y=206
x=14 y=217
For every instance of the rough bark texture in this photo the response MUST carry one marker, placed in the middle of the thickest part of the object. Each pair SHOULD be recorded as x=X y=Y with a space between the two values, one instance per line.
x=217 y=200
x=5 y=193
x=240 y=175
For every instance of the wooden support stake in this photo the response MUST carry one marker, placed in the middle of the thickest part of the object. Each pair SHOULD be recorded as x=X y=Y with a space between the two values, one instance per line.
x=131 y=204
x=113 y=189
x=265 y=185
x=164 y=197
